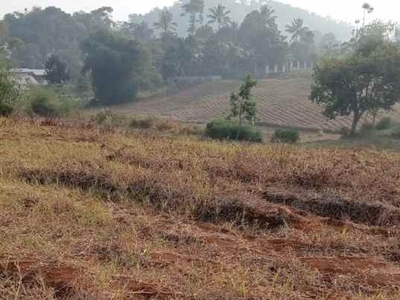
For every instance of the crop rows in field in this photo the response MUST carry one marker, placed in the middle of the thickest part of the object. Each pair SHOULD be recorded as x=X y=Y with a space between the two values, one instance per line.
x=281 y=102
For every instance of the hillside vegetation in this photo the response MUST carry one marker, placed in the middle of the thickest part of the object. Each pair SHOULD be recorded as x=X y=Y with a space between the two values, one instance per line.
x=92 y=214
x=285 y=13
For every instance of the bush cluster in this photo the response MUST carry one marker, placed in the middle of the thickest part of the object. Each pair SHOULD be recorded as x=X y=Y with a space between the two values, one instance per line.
x=384 y=124
x=225 y=130
x=45 y=102
x=288 y=136
x=9 y=93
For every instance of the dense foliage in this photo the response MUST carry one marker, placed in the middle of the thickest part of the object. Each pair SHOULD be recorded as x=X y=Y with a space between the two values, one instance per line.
x=222 y=38
x=114 y=62
x=243 y=104
x=218 y=43
x=363 y=82
x=56 y=70
x=227 y=130
x=288 y=136
x=9 y=93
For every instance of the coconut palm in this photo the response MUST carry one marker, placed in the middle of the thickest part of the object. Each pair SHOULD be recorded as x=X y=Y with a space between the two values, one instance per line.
x=297 y=30
x=193 y=8
x=267 y=14
x=368 y=9
x=220 y=16
x=165 y=22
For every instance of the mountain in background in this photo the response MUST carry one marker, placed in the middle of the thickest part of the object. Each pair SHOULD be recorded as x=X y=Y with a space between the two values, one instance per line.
x=239 y=9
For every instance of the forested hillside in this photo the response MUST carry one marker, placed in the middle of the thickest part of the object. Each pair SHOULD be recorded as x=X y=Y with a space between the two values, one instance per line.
x=239 y=9
x=111 y=61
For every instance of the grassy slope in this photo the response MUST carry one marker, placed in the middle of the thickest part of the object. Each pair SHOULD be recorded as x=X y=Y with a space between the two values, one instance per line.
x=282 y=102
x=90 y=214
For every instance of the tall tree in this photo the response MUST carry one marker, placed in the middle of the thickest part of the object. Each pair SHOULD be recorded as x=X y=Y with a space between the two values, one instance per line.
x=39 y=33
x=56 y=70
x=195 y=10
x=166 y=23
x=260 y=36
x=297 y=30
x=9 y=93
x=363 y=82
x=114 y=62
x=367 y=9
x=243 y=104
x=219 y=15
x=268 y=16
x=140 y=32
x=103 y=17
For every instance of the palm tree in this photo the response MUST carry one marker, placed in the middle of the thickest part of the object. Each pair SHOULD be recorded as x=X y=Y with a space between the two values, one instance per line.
x=368 y=9
x=165 y=22
x=267 y=14
x=297 y=30
x=193 y=7
x=219 y=15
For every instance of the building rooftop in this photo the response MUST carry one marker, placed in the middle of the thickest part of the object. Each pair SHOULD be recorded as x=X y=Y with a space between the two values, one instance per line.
x=35 y=72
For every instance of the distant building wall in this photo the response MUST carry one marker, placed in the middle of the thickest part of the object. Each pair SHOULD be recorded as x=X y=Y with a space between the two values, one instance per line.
x=29 y=76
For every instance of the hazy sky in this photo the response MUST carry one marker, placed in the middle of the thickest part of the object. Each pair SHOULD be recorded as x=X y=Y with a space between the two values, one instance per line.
x=347 y=10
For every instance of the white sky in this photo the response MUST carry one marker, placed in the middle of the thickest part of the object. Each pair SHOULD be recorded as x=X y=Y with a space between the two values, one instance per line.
x=347 y=10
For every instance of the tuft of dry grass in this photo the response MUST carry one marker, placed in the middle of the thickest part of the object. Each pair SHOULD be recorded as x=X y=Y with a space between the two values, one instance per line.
x=92 y=214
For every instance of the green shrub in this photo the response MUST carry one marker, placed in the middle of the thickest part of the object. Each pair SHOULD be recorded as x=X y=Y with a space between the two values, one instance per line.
x=225 y=130
x=288 y=136
x=9 y=93
x=104 y=117
x=6 y=109
x=44 y=103
x=384 y=123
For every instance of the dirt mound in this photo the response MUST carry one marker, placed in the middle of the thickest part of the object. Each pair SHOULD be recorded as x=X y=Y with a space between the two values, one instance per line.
x=375 y=214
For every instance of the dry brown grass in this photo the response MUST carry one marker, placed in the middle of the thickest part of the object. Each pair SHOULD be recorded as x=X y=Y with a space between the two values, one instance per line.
x=93 y=214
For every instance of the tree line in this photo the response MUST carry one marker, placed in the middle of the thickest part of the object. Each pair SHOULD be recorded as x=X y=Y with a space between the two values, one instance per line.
x=122 y=58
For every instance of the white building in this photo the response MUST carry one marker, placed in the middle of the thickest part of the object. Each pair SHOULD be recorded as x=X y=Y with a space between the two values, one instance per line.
x=29 y=76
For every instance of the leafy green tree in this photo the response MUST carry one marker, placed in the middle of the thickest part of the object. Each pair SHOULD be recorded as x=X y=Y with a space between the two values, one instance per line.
x=204 y=33
x=39 y=33
x=259 y=35
x=100 y=18
x=103 y=17
x=114 y=62
x=243 y=104
x=195 y=10
x=9 y=93
x=219 y=15
x=329 y=45
x=181 y=58
x=56 y=70
x=361 y=83
x=166 y=23
x=140 y=32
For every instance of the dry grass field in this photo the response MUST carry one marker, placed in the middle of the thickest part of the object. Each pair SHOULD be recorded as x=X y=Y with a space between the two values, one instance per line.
x=281 y=102
x=93 y=214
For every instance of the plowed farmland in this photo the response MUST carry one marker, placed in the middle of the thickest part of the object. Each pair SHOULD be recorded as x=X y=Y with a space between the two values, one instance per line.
x=281 y=102
x=88 y=213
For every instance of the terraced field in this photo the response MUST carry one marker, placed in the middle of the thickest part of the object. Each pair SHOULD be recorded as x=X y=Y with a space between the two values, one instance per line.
x=282 y=102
